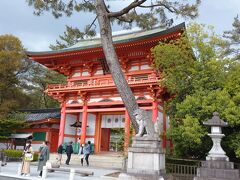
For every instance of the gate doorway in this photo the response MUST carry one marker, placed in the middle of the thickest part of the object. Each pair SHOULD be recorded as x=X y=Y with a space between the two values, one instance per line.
x=112 y=132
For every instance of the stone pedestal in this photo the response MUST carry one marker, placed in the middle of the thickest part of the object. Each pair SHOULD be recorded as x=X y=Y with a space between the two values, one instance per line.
x=217 y=165
x=217 y=170
x=146 y=159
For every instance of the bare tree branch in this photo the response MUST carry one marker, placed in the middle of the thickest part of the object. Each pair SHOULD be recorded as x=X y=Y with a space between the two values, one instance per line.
x=126 y=9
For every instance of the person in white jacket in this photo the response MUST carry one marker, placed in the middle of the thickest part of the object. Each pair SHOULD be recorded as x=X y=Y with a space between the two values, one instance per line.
x=81 y=154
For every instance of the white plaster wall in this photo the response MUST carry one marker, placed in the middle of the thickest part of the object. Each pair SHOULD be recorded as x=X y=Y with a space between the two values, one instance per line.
x=36 y=147
x=69 y=101
x=19 y=147
x=70 y=119
x=91 y=121
x=116 y=99
x=95 y=99
x=145 y=66
x=90 y=139
x=99 y=72
x=109 y=121
x=68 y=139
x=148 y=97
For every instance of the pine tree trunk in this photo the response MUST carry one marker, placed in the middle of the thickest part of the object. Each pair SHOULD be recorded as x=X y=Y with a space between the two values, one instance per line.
x=113 y=63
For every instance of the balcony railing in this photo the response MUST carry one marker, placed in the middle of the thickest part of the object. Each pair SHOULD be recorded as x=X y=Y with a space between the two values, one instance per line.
x=98 y=83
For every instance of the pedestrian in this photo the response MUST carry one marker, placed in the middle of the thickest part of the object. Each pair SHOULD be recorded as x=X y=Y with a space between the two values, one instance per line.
x=27 y=158
x=81 y=154
x=69 y=151
x=43 y=157
x=60 y=152
x=87 y=151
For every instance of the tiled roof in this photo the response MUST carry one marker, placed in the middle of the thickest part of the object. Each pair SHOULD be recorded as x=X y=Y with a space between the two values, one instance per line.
x=40 y=114
x=122 y=38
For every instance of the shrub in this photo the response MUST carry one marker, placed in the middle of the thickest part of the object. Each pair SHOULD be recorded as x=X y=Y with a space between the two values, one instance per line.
x=35 y=157
x=13 y=153
x=18 y=154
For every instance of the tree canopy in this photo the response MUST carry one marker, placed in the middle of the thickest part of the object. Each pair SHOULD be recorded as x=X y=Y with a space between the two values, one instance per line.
x=13 y=75
x=202 y=80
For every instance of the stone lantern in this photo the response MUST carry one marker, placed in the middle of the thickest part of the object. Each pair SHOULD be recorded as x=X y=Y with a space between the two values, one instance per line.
x=216 y=153
x=217 y=165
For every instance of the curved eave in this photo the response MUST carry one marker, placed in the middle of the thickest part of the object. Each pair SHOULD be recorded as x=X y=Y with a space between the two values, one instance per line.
x=120 y=39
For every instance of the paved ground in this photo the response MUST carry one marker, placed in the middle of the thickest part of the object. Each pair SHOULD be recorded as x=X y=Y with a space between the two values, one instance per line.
x=9 y=172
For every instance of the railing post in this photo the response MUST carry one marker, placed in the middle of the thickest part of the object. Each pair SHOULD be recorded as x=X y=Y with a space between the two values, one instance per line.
x=72 y=174
x=44 y=173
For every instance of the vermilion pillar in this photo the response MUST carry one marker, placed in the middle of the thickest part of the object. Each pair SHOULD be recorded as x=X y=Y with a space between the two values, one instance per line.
x=62 y=123
x=84 y=124
x=154 y=110
x=127 y=131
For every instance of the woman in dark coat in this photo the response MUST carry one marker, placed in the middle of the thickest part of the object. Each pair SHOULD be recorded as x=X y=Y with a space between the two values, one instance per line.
x=43 y=157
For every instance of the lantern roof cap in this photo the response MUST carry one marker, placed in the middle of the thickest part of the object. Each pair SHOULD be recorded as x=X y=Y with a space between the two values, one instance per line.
x=215 y=121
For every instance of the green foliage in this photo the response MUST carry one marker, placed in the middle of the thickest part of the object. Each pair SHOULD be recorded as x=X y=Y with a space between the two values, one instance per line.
x=13 y=153
x=41 y=78
x=35 y=157
x=12 y=72
x=18 y=154
x=202 y=83
x=11 y=122
x=13 y=77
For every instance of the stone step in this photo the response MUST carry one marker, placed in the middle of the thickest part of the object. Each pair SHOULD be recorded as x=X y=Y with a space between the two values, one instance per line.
x=103 y=160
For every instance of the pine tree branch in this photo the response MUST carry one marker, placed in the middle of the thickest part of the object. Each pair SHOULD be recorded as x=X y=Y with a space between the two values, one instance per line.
x=91 y=24
x=124 y=19
x=169 y=8
x=126 y=9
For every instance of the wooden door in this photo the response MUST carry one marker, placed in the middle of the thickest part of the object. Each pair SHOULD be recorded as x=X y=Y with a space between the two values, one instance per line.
x=54 y=141
x=105 y=139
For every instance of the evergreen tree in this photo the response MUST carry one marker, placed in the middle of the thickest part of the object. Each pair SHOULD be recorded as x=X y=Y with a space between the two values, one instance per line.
x=41 y=78
x=13 y=75
x=234 y=38
x=201 y=81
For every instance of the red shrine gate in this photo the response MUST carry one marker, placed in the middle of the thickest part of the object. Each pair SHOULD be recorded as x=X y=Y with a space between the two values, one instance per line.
x=90 y=94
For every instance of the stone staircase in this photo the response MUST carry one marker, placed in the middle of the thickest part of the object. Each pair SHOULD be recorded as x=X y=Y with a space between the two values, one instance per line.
x=101 y=160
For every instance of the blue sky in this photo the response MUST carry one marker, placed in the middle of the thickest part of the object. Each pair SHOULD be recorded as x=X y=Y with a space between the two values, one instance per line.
x=37 y=33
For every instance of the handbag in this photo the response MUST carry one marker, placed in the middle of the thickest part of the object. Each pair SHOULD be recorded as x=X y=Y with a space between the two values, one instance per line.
x=28 y=156
x=41 y=158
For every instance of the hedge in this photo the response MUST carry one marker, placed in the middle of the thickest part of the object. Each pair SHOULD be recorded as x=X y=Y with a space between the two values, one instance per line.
x=17 y=154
